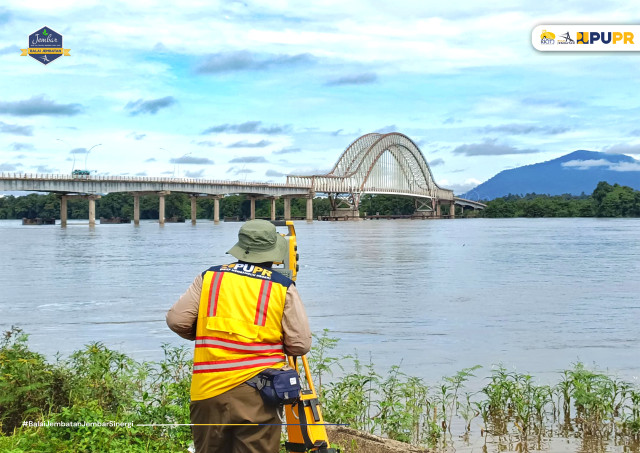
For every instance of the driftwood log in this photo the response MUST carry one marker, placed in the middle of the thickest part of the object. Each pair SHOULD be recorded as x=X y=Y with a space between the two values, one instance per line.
x=352 y=441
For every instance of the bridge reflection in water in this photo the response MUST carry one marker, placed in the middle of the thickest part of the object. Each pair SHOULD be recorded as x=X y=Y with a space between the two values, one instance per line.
x=373 y=164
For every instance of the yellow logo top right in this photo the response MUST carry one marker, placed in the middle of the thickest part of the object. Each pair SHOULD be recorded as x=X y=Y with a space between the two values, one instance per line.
x=547 y=37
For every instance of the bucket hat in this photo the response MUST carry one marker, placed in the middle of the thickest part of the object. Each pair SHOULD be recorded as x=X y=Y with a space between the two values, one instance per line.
x=259 y=242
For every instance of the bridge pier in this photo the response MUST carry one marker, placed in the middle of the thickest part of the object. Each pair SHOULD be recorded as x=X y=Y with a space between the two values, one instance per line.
x=452 y=210
x=342 y=208
x=161 y=209
x=287 y=208
x=423 y=208
x=310 y=208
x=273 y=207
x=252 y=213
x=161 y=196
x=216 y=209
x=92 y=209
x=438 y=210
x=136 y=209
x=194 y=208
x=63 y=211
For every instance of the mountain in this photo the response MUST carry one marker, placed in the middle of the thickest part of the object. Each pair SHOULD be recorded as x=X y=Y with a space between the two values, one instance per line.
x=574 y=173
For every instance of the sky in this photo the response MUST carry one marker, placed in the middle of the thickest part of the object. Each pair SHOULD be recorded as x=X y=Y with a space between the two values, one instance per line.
x=256 y=90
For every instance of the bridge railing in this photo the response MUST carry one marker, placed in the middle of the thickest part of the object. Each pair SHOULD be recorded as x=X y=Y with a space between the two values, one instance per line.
x=66 y=177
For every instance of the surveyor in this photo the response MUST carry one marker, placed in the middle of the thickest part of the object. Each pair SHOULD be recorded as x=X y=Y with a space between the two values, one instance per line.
x=244 y=317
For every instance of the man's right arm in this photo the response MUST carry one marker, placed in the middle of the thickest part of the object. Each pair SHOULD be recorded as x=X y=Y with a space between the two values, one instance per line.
x=183 y=316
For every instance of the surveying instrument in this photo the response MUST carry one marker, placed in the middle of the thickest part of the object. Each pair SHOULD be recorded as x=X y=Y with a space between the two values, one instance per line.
x=305 y=425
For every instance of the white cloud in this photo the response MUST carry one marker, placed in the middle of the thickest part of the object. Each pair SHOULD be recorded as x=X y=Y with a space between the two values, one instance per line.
x=592 y=163
x=625 y=166
x=490 y=148
x=459 y=187
x=586 y=164
x=191 y=160
x=194 y=174
x=309 y=171
x=622 y=148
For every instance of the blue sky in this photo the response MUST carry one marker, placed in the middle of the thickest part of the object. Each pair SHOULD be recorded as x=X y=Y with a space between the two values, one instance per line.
x=256 y=90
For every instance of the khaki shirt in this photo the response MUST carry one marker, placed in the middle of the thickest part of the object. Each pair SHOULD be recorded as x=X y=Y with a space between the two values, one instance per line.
x=183 y=316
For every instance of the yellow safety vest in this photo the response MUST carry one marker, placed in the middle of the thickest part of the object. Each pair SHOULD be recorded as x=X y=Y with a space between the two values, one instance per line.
x=239 y=330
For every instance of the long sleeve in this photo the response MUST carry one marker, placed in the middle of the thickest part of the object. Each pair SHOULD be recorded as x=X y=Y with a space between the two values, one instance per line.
x=182 y=317
x=295 y=325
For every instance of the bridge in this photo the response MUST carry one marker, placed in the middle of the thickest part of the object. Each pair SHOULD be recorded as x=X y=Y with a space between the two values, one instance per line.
x=380 y=164
x=372 y=164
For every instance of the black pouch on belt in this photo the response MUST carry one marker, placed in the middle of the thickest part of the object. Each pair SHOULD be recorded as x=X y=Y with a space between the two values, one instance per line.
x=277 y=386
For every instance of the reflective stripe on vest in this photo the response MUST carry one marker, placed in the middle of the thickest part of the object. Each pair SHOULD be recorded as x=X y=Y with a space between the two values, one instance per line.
x=238 y=346
x=263 y=303
x=215 y=286
x=237 y=364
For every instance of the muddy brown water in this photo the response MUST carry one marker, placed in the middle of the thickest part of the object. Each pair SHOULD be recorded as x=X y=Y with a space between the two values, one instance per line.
x=535 y=295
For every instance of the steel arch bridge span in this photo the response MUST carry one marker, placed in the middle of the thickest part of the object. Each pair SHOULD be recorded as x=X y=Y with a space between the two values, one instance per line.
x=378 y=163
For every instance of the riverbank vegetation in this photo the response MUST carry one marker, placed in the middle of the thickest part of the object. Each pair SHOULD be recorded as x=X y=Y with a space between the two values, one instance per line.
x=95 y=386
x=511 y=410
x=113 y=397
x=605 y=201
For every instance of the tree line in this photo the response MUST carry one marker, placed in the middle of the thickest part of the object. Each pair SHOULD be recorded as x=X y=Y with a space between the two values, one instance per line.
x=176 y=205
x=605 y=201
x=179 y=205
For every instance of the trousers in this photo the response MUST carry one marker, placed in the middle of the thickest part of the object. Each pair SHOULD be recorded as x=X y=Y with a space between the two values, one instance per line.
x=239 y=406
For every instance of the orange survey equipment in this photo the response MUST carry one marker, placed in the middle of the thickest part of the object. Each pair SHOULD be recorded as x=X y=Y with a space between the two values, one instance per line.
x=290 y=264
x=305 y=425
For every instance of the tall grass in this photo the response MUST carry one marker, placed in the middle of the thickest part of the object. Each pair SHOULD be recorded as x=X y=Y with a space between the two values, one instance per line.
x=511 y=407
x=96 y=384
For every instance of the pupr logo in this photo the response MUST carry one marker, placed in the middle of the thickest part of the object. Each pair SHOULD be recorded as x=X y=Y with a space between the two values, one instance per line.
x=566 y=39
x=586 y=38
x=594 y=37
x=547 y=37
x=45 y=45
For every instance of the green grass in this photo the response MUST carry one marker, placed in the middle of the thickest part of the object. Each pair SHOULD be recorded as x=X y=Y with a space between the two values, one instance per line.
x=94 y=385
x=98 y=385
x=511 y=406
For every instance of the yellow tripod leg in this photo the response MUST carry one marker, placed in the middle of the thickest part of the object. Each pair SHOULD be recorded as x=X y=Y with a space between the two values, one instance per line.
x=305 y=425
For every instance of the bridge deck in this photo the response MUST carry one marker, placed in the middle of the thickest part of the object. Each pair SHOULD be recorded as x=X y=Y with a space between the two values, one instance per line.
x=108 y=184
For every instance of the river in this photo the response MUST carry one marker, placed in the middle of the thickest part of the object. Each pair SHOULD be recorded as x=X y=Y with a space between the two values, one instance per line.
x=535 y=295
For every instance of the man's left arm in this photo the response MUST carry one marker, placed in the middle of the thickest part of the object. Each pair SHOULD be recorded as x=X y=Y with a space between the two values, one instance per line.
x=183 y=316
x=295 y=325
